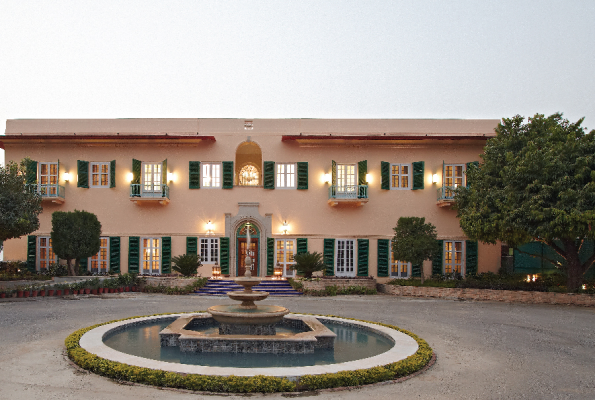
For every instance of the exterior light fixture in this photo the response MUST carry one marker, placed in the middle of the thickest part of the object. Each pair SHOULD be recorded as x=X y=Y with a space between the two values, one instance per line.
x=209 y=227
x=66 y=177
x=171 y=177
x=130 y=177
x=216 y=271
x=278 y=271
x=369 y=178
x=285 y=227
x=435 y=178
x=326 y=178
x=584 y=287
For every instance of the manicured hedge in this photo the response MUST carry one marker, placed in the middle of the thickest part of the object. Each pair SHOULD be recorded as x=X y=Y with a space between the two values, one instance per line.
x=240 y=384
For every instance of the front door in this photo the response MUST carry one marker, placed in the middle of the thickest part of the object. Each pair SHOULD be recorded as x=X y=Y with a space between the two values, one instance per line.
x=242 y=246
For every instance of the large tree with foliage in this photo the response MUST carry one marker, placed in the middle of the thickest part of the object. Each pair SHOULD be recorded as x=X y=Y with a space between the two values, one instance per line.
x=536 y=183
x=415 y=241
x=19 y=206
x=75 y=235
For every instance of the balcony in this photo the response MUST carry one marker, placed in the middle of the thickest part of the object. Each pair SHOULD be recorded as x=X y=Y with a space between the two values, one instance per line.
x=446 y=196
x=49 y=192
x=348 y=194
x=144 y=194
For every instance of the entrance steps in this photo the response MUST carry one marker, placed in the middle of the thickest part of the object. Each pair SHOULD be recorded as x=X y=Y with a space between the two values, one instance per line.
x=220 y=287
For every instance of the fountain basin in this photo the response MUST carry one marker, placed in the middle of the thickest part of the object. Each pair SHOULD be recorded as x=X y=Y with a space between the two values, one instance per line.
x=238 y=320
x=248 y=298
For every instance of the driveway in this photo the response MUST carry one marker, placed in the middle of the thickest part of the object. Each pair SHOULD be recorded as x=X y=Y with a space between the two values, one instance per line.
x=485 y=350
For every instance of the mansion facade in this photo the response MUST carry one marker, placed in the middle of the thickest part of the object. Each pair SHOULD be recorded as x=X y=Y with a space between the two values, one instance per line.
x=166 y=187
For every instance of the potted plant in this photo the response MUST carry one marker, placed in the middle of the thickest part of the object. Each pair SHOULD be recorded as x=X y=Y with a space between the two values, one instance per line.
x=66 y=289
x=26 y=291
x=58 y=289
x=2 y=293
x=51 y=291
x=186 y=264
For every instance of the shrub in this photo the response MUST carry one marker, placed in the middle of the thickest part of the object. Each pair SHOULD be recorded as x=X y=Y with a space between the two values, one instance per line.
x=308 y=263
x=186 y=264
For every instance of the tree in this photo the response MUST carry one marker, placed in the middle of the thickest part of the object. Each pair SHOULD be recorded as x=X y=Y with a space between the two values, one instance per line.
x=19 y=206
x=536 y=183
x=308 y=263
x=186 y=264
x=75 y=235
x=415 y=241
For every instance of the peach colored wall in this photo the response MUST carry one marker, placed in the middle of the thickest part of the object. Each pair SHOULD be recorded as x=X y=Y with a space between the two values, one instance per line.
x=307 y=211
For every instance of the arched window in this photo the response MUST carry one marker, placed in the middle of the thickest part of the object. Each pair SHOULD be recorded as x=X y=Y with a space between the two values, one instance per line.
x=249 y=176
x=248 y=165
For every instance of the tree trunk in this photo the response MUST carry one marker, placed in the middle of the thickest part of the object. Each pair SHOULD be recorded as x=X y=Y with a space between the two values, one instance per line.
x=423 y=278
x=71 y=271
x=574 y=269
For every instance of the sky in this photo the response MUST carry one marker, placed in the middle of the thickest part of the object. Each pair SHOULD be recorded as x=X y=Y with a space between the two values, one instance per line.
x=297 y=59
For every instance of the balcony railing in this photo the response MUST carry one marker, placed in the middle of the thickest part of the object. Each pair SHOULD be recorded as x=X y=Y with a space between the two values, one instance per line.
x=348 y=193
x=446 y=195
x=139 y=193
x=53 y=192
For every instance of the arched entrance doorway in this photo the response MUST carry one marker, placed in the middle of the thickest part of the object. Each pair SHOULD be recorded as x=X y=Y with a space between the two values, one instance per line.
x=242 y=248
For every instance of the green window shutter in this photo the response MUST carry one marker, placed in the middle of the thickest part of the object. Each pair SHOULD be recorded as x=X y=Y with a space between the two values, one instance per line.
x=31 y=174
x=418 y=175
x=437 y=260
x=269 y=174
x=385 y=175
x=164 y=172
x=194 y=175
x=302 y=176
x=224 y=255
x=301 y=245
x=227 y=175
x=191 y=245
x=112 y=174
x=383 y=257
x=333 y=173
x=470 y=257
x=82 y=169
x=31 y=250
x=362 y=170
x=329 y=256
x=114 y=254
x=133 y=254
x=166 y=255
x=136 y=167
x=83 y=266
x=362 y=256
x=416 y=271
x=270 y=256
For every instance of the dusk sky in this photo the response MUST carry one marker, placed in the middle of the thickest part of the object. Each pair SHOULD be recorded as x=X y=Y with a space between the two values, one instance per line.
x=298 y=59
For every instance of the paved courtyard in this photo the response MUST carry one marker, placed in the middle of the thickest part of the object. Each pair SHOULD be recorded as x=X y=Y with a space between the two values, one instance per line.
x=485 y=350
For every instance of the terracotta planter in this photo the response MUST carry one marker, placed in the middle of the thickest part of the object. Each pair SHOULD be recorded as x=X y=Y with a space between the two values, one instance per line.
x=51 y=292
x=34 y=293
x=121 y=289
x=19 y=293
x=87 y=290
x=2 y=295
x=100 y=290
x=94 y=291
x=42 y=292
x=66 y=292
x=26 y=293
x=133 y=288
x=127 y=288
x=59 y=292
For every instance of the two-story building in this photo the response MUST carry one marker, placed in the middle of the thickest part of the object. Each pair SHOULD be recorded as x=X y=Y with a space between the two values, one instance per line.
x=165 y=187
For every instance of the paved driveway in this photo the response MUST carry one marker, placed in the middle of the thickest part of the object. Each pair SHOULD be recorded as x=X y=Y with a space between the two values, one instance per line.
x=485 y=350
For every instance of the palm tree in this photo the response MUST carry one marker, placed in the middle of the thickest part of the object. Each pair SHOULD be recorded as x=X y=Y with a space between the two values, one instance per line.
x=307 y=263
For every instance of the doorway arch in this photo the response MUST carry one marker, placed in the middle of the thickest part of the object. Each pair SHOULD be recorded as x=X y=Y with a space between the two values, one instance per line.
x=248 y=165
x=241 y=248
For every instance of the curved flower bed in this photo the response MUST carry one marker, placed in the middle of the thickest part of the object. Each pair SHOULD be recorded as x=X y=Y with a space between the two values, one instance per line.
x=239 y=384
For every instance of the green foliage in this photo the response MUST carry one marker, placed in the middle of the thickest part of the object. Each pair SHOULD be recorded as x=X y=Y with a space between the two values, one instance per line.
x=17 y=270
x=238 y=384
x=536 y=182
x=198 y=283
x=75 y=235
x=19 y=205
x=308 y=263
x=415 y=241
x=296 y=285
x=186 y=264
x=56 y=269
x=336 y=291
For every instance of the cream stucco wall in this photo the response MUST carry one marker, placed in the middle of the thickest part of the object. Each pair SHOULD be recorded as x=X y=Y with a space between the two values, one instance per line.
x=306 y=211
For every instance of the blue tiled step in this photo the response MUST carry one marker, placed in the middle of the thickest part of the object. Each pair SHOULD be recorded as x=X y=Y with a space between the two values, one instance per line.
x=220 y=287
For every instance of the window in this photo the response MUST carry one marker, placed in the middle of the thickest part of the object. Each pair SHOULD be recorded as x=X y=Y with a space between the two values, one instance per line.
x=249 y=176
x=345 y=256
x=46 y=255
x=99 y=263
x=151 y=255
x=48 y=178
x=399 y=269
x=399 y=176
x=285 y=252
x=100 y=174
x=453 y=177
x=209 y=250
x=346 y=178
x=453 y=257
x=151 y=182
x=211 y=175
x=286 y=176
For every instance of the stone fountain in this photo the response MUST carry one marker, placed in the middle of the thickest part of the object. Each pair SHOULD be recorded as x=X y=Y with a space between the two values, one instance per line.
x=246 y=327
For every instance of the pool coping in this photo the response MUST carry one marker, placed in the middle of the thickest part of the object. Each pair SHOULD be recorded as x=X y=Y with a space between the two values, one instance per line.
x=405 y=346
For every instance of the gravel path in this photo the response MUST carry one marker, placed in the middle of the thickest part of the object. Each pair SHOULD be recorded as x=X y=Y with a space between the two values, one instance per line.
x=485 y=350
